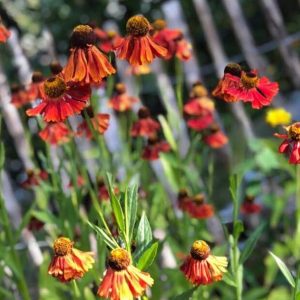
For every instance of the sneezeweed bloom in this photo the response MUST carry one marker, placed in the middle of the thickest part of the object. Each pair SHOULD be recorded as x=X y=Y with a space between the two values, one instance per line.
x=183 y=200
x=200 y=123
x=145 y=126
x=34 y=89
x=201 y=267
x=138 y=47
x=259 y=91
x=121 y=101
x=68 y=262
x=56 y=133
x=198 y=90
x=171 y=39
x=278 y=116
x=86 y=63
x=291 y=143
x=231 y=71
x=199 y=209
x=4 y=33
x=60 y=99
x=56 y=68
x=107 y=39
x=214 y=137
x=122 y=280
x=249 y=206
x=19 y=96
x=34 y=178
x=199 y=107
x=154 y=147
x=35 y=224
x=99 y=123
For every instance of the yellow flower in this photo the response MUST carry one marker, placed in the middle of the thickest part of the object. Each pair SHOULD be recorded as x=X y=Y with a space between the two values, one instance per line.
x=278 y=116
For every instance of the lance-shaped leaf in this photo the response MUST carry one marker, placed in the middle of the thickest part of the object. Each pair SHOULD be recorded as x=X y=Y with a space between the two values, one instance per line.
x=148 y=256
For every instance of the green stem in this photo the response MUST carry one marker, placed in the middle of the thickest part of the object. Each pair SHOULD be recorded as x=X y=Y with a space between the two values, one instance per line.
x=179 y=84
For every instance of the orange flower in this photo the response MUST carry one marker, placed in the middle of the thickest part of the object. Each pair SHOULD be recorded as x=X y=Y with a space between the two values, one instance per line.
x=200 y=123
x=215 y=138
x=249 y=207
x=60 y=99
x=107 y=39
x=34 y=178
x=138 y=70
x=154 y=147
x=138 y=47
x=145 y=126
x=86 y=64
x=122 y=280
x=34 y=90
x=291 y=143
x=100 y=123
x=19 y=97
x=121 y=101
x=4 y=33
x=231 y=71
x=200 y=267
x=198 y=90
x=184 y=200
x=251 y=88
x=55 y=133
x=183 y=49
x=199 y=106
x=199 y=209
x=69 y=263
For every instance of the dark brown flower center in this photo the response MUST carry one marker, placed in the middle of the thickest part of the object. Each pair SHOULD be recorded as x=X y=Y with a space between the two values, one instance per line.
x=233 y=69
x=198 y=90
x=62 y=246
x=54 y=87
x=249 y=80
x=214 y=127
x=143 y=113
x=37 y=77
x=137 y=26
x=119 y=259
x=249 y=199
x=294 y=131
x=120 y=88
x=82 y=36
x=159 y=24
x=55 y=67
x=15 y=88
x=200 y=250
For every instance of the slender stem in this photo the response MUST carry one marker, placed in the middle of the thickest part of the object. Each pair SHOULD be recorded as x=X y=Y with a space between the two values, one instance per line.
x=297 y=202
x=179 y=84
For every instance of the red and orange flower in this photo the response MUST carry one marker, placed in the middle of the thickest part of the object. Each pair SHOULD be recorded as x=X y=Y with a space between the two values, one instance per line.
x=19 y=96
x=99 y=123
x=202 y=268
x=60 y=99
x=69 y=263
x=138 y=47
x=231 y=71
x=214 y=137
x=34 y=178
x=86 y=64
x=259 y=91
x=145 y=126
x=291 y=143
x=122 y=280
x=121 y=101
x=56 y=133
x=249 y=206
x=34 y=89
x=4 y=33
x=154 y=147
x=198 y=209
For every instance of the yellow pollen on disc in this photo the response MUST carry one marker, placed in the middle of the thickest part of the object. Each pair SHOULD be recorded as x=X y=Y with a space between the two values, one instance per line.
x=54 y=87
x=119 y=259
x=199 y=198
x=83 y=29
x=138 y=26
x=249 y=80
x=294 y=131
x=200 y=250
x=62 y=246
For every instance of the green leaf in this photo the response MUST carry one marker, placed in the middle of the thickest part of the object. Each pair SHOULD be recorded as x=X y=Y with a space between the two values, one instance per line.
x=148 y=256
x=116 y=205
x=251 y=242
x=143 y=236
x=186 y=295
x=167 y=132
x=234 y=183
x=228 y=279
x=131 y=208
x=238 y=229
x=2 y=155
x=107 y=239
x=47 y=217
x=284 y=269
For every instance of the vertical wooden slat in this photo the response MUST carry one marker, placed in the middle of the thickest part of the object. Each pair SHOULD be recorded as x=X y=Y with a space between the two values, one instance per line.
x=277 y=29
